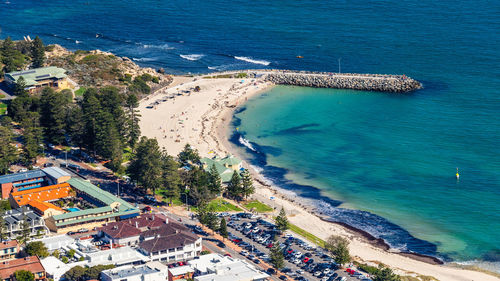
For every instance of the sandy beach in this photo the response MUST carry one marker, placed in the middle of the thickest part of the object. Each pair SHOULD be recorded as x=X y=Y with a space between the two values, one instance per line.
x=178 y=115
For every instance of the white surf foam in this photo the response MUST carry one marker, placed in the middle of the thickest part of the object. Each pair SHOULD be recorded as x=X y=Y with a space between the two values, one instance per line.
x=78 y=42
x=161 y=47
x=143 y=59
x=192 y=57
x=250 y=60
x=246 y=143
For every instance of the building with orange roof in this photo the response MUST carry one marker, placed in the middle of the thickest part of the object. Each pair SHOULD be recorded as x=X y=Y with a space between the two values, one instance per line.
x=45 y=209
x=31 y=264
x=8 y=250
x=42 y=194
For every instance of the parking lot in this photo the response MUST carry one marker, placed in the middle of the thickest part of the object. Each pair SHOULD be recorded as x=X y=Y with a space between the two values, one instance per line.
x=303 y=261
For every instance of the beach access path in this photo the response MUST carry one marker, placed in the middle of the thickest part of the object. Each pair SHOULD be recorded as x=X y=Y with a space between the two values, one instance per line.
x=179 y=115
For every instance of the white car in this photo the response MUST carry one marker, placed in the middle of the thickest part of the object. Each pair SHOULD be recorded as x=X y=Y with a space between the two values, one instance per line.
x=317 y=273
x=326 y=271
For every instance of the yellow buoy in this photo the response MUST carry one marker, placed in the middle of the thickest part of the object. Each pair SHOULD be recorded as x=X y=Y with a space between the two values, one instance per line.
x=458 y=175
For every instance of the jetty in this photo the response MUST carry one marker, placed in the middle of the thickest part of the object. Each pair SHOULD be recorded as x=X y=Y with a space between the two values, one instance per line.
x=355 y=81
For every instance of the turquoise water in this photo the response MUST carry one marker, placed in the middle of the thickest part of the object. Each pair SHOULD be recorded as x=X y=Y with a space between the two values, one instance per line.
x=392 y=155
x=73 y=209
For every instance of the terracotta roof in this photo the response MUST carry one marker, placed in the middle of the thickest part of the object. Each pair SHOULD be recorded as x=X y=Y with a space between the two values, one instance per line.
x=32 y=264
x=170 y=241
x=8 y=244
x=146 y=223
x=46 y=193
x=43 y=206
x=120 y=230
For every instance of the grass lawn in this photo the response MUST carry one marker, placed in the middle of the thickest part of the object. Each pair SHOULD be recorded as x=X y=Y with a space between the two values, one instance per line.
x=258 y=206
x=307 y=235
x=3 y=108
x=221 y=205
x=80 y=91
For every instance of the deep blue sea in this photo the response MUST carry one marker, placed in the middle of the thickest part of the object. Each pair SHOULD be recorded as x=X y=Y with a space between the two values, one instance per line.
x=393 y=157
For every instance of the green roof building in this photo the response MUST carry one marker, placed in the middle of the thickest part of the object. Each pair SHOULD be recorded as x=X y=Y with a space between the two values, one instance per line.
x=224 y=166
x=38 y=78
x=109 y=209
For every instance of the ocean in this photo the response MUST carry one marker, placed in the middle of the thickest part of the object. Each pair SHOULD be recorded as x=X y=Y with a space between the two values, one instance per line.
x=383 y=162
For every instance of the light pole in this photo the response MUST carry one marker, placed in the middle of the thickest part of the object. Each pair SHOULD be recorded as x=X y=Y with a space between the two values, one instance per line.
x=66 y=157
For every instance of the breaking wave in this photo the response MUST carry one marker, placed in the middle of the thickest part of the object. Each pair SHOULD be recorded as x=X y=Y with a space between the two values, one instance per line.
x=250 y=60
x=192 y=57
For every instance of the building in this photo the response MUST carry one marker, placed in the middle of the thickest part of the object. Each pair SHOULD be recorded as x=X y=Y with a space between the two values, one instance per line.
x=54 y=267
x=117 y=256
x=152 y=271
x=180 y=273
x=8 y=250
x=14 y=222
x=22 y=181
x=31 y=179
x=41 y=194
x=56 y=175
x=31 y=264
x=38 y=78
x=56 y=242
x=129 y=231
x=168 y=244
x=214 y=267
x=225 y=166
x=109 y=209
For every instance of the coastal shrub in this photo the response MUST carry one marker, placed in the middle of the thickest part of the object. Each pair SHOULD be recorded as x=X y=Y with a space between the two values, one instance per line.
x=241 y=75
x=155 y=80
x=49 y=48
x=81 y=52
x=367 y=268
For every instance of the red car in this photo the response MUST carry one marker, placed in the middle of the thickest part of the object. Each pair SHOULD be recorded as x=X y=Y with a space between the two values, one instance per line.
x=306 y=259
x=236 y=241
x=227 y=255
x=270 y=245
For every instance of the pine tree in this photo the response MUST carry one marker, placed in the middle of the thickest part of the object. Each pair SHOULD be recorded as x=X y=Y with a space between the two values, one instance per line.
x=32 y=137
x=385 y=274
x=133 y=116
x=215 y=184
x=20 y=87
x=37 y=52
x=8 y=153
x=188 y=155
x=247 y=184
x=12 y=58
x=234 y=186
x=75 y=125
x=53 y=108
x=171 y=177
x=282 y=221
x=276 y=255
x=146 y=166
x=223 y=228
x=91 y=107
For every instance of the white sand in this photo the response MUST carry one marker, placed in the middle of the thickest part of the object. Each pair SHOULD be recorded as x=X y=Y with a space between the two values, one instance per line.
x=201 y=119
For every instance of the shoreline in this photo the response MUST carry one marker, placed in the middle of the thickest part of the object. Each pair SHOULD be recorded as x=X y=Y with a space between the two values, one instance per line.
x=217 y=112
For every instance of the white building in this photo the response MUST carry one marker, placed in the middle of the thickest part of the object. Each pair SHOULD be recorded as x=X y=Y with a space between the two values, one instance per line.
x=214 y=267
x=54 y=267
x=56 y=242
x=152 y=271
x=168 y=245
x=117 y=256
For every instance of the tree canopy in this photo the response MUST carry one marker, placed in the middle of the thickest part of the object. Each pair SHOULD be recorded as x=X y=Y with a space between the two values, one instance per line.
x=24 y=275
x=339 y=247
x=282 y=221
x=37 y=248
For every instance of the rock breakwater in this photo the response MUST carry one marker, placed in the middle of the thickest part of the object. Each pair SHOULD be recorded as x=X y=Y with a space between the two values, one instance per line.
x=365 y=82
